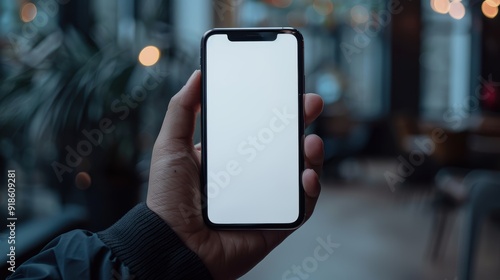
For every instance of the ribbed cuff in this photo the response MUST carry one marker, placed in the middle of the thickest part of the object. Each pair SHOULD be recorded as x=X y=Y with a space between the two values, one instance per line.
x=150 y=248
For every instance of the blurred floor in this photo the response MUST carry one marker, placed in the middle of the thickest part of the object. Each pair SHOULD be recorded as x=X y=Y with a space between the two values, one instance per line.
x=381 y=235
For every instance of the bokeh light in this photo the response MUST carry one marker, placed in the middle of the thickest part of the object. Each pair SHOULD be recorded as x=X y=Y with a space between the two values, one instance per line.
x=457 y=9
x=328 y=86
x=149 y=56
x=360 y=14
x=28 y=12
x=83 y=180
x=493 y=3
x=323 y=7
x=441 y=6
x=488 y=10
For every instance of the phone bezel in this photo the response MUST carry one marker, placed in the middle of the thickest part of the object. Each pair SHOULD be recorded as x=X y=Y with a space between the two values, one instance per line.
x=253 y=34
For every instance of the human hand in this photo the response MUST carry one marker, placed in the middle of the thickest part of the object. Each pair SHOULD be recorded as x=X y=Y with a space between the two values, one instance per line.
x=174 y=188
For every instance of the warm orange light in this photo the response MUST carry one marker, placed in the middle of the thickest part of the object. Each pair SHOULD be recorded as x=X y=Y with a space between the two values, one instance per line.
x=83 y=180
x=323 y=7
x=28 y=12
x=493 y=3
x=441 y=6
x=457 y=9
x=149 y=56
x=488 y=10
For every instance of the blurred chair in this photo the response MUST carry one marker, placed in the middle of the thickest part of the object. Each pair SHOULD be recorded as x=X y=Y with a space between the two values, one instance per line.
x=450 y=194
x=484 y=199
x=477 y=194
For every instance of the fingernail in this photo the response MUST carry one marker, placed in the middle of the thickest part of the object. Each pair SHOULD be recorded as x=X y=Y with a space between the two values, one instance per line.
x=192 y=76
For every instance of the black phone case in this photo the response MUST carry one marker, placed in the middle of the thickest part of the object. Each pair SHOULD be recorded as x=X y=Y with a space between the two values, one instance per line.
x=253 y=34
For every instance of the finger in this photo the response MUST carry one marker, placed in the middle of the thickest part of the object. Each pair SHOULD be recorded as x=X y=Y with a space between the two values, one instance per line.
x=313 y=106
x=312 y=189
x=179 y=122
x=314 y=153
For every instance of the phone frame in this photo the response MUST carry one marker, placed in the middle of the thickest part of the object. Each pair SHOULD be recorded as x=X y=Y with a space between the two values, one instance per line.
x=253 y=34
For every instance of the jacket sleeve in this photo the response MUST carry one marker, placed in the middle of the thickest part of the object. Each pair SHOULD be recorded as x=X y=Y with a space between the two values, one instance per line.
x=139 y=246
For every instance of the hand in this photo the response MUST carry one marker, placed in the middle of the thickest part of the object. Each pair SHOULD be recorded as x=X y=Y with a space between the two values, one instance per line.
x=174 y=188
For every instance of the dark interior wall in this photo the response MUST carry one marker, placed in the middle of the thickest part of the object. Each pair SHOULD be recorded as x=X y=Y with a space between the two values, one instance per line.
x=78 y=15
x=490 y=62
x=405 y=65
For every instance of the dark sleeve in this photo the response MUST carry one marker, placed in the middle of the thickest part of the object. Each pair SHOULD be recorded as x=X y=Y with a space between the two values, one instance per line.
x=139 y=246
x=151 y=249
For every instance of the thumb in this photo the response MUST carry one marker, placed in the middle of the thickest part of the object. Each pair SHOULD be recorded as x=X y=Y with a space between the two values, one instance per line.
x=179 y=122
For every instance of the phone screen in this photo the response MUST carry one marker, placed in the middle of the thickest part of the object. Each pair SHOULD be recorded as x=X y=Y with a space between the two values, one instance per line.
x=253 y=128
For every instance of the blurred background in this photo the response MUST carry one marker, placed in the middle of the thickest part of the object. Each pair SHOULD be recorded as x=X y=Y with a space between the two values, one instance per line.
x=411 y=124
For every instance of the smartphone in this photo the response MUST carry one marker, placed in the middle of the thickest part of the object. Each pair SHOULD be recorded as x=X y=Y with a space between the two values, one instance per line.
x=252 y=128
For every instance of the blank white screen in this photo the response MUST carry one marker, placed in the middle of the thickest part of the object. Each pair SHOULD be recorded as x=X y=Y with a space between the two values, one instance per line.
x=252 y=130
